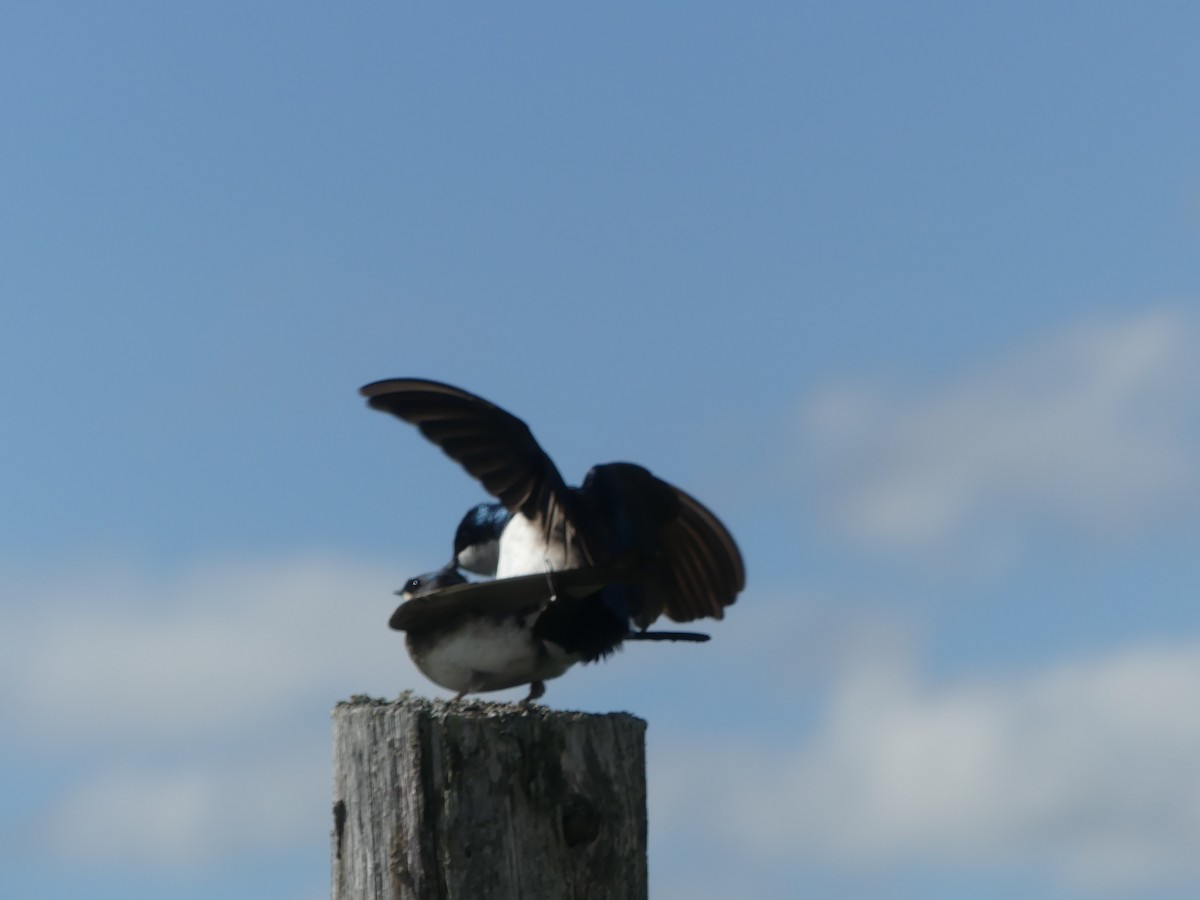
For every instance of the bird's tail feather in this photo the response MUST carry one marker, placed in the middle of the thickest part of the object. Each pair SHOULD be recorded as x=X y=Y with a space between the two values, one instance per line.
x=694 y=637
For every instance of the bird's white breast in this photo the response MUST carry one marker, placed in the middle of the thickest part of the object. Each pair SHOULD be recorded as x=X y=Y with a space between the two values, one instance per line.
x=524 y=550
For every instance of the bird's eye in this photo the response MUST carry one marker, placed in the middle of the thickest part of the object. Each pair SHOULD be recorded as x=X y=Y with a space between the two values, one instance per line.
x=413 y=584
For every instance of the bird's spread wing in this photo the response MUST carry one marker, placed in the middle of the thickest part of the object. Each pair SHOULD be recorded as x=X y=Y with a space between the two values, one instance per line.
x=493 y=445
x=504 y=596
x=706 y=572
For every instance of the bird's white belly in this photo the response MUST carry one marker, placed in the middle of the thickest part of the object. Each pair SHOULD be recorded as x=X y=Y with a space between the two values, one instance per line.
x=524 y=551
x=490 y=655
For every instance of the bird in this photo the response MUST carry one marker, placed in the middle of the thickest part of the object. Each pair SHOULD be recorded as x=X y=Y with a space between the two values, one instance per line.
x=474 y=637
x=622 y=516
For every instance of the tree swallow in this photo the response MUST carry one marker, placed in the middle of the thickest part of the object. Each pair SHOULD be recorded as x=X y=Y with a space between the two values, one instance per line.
x=492 y=635
x=622 y=517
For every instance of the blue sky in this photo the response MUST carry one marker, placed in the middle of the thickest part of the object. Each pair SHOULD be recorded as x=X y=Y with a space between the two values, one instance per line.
x=906 y=293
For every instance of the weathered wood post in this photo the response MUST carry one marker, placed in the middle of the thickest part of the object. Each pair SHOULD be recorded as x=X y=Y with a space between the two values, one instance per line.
x=435 y=800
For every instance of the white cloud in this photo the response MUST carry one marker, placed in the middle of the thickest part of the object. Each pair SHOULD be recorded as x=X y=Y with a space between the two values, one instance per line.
x=1085 y=770
x=1096 y=427
x=189 y=815
x=192 y=710
x=107 y=657
x=195 y=709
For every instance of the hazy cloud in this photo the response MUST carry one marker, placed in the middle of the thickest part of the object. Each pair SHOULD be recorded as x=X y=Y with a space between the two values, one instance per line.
x=187 y=703
x=1095 y=428
x=194 y=813
x=113 y=657
x=193 y=707
x=1086 y=770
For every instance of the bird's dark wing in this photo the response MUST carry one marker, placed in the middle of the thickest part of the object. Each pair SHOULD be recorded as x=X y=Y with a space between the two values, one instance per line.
x=493 y=445
x=504 y=596
x=705 y=569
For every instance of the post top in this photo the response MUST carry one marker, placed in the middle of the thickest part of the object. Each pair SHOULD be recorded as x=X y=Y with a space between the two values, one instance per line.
x=473 y=709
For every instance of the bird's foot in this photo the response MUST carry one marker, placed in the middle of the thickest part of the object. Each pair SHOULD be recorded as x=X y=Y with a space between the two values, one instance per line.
x=536 y=689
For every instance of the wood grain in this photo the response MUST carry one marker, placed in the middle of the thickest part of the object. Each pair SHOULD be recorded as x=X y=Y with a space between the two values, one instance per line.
x=437 y=800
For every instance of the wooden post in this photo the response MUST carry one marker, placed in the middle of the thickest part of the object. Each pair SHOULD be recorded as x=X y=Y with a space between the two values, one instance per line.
x=437 y=800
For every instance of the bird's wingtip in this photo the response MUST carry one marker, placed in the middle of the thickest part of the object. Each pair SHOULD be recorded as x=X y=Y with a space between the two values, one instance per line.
x=375 y=388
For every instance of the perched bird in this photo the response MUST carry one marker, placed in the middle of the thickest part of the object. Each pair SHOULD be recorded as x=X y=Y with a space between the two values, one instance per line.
x=621 y=518
x=492 y=635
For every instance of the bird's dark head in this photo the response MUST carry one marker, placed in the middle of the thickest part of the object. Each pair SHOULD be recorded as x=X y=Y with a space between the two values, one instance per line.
x=477 y=540
x=481 y=523
x=421 y=585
